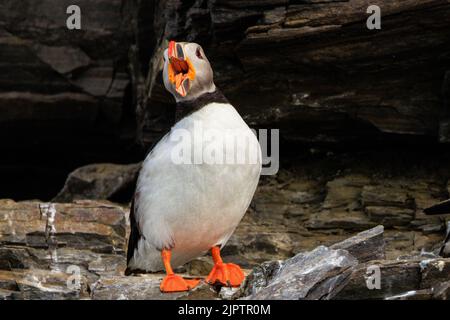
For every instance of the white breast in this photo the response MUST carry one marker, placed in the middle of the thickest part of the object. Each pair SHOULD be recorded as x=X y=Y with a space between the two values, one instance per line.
x=192 y=207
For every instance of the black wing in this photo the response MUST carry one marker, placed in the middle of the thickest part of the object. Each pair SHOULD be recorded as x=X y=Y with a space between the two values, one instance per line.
x=440 y=208
x=134 y=234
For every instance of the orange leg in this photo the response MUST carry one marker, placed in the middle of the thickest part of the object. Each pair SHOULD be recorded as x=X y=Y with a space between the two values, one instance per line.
x=173 y=282
x=227 y=274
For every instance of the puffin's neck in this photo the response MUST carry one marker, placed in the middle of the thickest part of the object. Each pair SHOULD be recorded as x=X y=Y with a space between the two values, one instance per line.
x=185 y=108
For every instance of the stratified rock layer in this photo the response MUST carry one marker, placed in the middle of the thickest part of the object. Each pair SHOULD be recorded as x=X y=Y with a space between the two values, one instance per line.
x=100 y=181
x=310 y=68
x=314 y=69
x=56 y=80
x=335 y=273
x=77 y=251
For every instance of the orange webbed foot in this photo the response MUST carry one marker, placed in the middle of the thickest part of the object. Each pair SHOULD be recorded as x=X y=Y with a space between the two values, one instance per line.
x=227 y=274
x=173 y=282
x=176 y=283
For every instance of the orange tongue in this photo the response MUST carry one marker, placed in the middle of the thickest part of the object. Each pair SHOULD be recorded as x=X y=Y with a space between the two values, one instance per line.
x=180 y=71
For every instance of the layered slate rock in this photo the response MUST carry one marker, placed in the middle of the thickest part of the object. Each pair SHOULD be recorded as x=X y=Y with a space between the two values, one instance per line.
x=310 y=68
x=299 y=276
x=38 y=284
x=319 y=273
x=401 y=279
x=42 y=56
x=61 y=90
x=314 y=69
x=365 y=246
x=334 y=273
x=42 y=245
x=77 y=251
x=56 y=251
x=100 y=182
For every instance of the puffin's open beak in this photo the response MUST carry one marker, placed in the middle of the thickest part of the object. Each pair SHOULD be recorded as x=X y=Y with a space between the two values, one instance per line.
x=181 y=71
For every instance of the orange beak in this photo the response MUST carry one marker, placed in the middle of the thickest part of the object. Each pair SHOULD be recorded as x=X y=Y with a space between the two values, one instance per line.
x=181 y=71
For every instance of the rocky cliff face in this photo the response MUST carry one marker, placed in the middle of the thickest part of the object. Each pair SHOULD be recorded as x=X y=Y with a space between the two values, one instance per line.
x=362 y=115
x=65 y=95
x=310 y=68
x=313 y=68
x=64 y=82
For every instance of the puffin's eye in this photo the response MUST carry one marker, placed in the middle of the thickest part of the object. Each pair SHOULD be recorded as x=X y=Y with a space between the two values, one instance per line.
x=198 y=53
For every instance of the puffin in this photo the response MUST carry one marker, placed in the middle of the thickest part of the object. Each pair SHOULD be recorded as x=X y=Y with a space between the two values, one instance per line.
x=186 y=205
